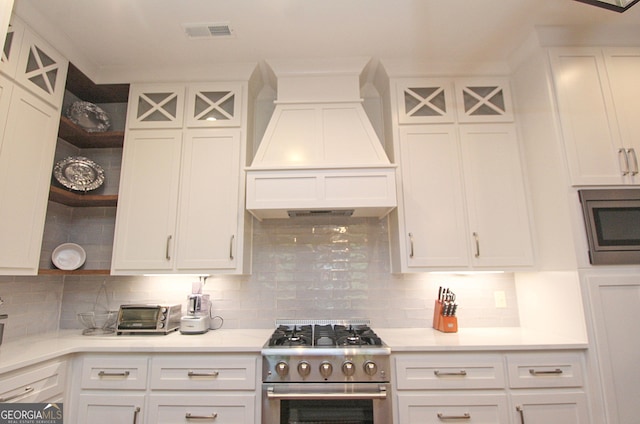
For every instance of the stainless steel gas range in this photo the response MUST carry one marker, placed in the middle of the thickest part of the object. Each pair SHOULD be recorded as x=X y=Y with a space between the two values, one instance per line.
x=325 y=371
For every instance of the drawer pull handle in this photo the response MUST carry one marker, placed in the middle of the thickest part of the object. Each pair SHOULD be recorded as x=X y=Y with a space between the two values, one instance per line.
x=465 y=416
x=439 y=373
x=521 y=413
x=557 y=371
x=114 y=374
x=200 y=417
x=203 y=374
x=27 y=390
x=136 y=412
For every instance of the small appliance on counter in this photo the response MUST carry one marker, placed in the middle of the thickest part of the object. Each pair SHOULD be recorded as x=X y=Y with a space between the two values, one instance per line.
x=148 y=319
x=444 y=312
x=198 y=319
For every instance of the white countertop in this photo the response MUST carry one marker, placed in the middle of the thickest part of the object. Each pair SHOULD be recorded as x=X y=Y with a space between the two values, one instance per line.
x=31 y=350
x=470 y=339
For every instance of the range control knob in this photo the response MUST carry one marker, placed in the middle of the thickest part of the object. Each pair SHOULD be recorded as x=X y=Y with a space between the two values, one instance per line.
x=282 y=368
x=326 y=369
x=304 y=368
x=370 y=368
x=348 y=368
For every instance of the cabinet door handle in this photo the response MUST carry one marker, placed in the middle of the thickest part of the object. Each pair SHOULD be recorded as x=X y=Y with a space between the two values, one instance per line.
x=167 y=253
x=439 y=373
x=622 y=153
x=136 y=412
x=26 y=390
x=203 y=374
x=411 y=245
x=552 y=372
x=233 y=237
x=188 y=416
x=113 y=374
x=465 y=416
x=521 y=412
x=476 y=239
x=634 y=161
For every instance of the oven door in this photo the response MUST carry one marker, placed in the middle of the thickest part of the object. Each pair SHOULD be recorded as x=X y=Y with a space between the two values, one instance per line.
x=339 y=403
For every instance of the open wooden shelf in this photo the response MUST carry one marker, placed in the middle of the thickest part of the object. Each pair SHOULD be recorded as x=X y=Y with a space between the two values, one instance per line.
x=65 y=197
x=74 y=272
x=75 y=135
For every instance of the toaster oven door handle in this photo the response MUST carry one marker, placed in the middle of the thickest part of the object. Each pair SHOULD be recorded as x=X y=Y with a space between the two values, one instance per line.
x=380 y=394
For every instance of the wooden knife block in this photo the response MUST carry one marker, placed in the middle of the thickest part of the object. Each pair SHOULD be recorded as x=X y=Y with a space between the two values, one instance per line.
x=442 y=323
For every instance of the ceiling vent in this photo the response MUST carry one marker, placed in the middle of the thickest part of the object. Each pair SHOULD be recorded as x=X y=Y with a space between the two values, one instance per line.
x=212 y=30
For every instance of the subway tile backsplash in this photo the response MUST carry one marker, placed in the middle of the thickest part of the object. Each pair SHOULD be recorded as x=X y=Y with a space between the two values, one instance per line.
x=313 y=268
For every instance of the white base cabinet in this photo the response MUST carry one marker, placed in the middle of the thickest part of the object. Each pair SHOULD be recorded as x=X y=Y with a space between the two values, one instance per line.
x=45 y=382
x=166 y=388
x=491 y=387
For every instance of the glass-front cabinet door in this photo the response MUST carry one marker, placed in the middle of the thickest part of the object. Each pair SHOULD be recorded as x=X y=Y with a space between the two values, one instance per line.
x=156 y=106
x=214 y=105
x=424 y=101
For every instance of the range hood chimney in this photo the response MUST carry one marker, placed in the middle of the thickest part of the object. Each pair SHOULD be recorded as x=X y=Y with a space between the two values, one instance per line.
x=320 y=155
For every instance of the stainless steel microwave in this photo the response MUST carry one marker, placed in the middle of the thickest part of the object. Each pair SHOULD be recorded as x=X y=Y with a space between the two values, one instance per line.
x=612 y=221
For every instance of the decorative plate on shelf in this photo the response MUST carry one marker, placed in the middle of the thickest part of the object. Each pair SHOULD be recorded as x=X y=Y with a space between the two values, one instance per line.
x=68 y=256
x=88 y=116
x=79 y=173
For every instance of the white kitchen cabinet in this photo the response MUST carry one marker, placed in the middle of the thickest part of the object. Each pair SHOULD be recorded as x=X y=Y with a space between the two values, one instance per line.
x=613 y=305
x=425 y=101
x=483 y=99
x=491 y=387
x=26 y=159
x=11 y=51
x=179 y=202
x=464 y=202
x=597 y=97
x=222 y=408
x=214 y=105
x=148 y=196
x=44 y=382
x=156 y=106
x=549 y=407
x=125 y=408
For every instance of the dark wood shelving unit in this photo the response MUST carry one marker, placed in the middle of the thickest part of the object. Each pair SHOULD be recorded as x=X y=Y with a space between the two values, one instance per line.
x=43 y=271
x=75 y=135
x=69 y=198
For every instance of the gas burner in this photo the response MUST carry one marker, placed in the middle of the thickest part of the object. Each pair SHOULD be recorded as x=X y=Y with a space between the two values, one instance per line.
x=324 y=335
x=296 y=336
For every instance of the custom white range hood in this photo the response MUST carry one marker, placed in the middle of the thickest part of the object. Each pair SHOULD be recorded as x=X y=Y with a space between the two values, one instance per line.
x=320 y=154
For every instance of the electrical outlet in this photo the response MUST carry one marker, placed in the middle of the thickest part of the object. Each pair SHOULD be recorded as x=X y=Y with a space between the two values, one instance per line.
x=500 y=298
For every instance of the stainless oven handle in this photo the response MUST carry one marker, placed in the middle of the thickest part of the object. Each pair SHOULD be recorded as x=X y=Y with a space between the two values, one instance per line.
x=381 y=394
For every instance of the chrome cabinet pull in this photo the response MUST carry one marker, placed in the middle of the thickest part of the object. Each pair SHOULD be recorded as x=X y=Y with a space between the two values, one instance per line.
x=167 y=255
x=521 y=412
x=188 y=416
x=411 y=245
x=634 y=161
x=476 y=237
x=27 y=390
x=622 y=153
x=135 y=414
x=113 y=374
x=460 y=373
x=233 y=237
x=465 y=416
x=536 y=372
x=203 y=374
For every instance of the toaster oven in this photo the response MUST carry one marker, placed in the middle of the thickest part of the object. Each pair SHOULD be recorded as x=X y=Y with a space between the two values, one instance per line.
x=155 y=319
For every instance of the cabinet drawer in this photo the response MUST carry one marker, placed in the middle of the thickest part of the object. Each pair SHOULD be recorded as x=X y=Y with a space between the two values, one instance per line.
x=38 y=383
x=112 y=372
x=544 y=370
x=451 y=371
x=420 y=408
x=204 y=372
x=221 y=409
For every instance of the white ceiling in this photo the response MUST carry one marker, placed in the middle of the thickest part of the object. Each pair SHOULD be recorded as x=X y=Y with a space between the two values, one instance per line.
x=118 y=39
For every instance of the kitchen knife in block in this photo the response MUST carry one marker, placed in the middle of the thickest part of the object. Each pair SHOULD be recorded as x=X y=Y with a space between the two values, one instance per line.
x=448 y=324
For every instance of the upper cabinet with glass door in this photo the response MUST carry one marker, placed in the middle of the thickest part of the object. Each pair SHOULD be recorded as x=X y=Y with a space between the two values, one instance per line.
x=156 y=106
x=33 y=63
x=425 y=101
x=483 y=100
x=214 y=105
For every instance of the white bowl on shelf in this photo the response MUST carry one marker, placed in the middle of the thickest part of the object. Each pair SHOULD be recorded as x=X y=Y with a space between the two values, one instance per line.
x=68 y=256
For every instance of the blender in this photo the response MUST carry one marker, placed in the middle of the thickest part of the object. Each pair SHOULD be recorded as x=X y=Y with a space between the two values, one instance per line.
x=197 y=320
